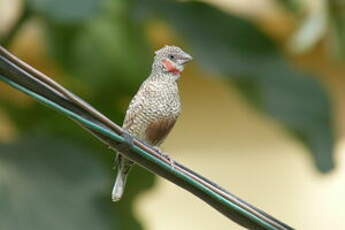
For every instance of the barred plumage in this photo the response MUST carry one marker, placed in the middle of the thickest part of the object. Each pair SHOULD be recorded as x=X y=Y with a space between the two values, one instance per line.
x=155 y=108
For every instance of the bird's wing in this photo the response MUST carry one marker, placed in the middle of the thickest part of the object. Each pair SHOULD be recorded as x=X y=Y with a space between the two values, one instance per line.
x=134 y=109
x=157 y=131
x=140 y=122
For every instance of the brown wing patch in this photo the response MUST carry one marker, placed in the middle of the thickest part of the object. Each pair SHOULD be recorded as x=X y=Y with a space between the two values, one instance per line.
x=157 y=131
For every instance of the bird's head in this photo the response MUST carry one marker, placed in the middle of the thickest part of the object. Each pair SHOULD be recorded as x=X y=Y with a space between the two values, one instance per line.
x=171 y=60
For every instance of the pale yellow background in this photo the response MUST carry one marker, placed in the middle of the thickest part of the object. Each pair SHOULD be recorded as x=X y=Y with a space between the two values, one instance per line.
x=224 y=138
x=220 y=136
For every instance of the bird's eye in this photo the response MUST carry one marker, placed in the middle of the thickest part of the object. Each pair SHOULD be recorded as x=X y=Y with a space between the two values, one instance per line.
x=172 y=57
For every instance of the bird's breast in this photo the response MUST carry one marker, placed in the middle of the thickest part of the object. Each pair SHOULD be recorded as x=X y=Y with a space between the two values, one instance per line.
x=160 y=112
x=164 y=99
x=157 y=108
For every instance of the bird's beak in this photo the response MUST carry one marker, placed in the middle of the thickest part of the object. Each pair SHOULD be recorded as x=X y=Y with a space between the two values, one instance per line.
x=186 y=58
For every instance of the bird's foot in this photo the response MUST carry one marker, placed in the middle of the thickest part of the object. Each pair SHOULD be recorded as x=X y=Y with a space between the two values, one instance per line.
x=127 y=143
x=166 y=156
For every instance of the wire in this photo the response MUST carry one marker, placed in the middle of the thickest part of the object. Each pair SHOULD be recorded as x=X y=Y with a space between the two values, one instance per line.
x=23 y=77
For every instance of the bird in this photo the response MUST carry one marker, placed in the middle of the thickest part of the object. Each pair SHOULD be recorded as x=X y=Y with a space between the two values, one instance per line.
x=154 y=109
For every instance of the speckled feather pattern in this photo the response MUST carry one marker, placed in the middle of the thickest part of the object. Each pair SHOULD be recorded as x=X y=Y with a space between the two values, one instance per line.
x=155 y=101
x=155 y=108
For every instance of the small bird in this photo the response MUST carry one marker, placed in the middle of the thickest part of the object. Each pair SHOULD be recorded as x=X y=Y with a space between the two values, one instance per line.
x=154 y=109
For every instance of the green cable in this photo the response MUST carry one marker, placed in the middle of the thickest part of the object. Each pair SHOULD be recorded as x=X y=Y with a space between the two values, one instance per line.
x=138 y=150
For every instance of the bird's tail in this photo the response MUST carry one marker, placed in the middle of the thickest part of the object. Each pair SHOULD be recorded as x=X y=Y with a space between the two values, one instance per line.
x=123 y=169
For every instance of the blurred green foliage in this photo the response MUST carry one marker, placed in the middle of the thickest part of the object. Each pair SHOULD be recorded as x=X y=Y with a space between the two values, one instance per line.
x=317 y=20
x=48 y=180
x=237 y=49
x=337 y=21
x=294 y=6
x=101 y=44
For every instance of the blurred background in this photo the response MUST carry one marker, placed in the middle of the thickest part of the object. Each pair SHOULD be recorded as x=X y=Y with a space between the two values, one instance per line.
x=263 y=111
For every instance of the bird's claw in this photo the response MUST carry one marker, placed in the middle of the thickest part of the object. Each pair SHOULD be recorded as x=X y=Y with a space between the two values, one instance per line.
x=128 y=138
x=171 y=161
x=166 y=156
x=127 y=143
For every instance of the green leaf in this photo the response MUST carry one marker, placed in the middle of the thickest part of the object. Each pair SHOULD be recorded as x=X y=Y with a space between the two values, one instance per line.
x=50 y=184
x=299 y=101
x=109 y=55
x=66 y=11
x=230 y=46
x=337 y=28
x=312 y=29
x=294 y=6
x=220 y=42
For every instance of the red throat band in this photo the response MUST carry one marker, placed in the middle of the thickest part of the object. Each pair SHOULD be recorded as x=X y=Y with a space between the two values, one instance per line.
x=170 y=66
